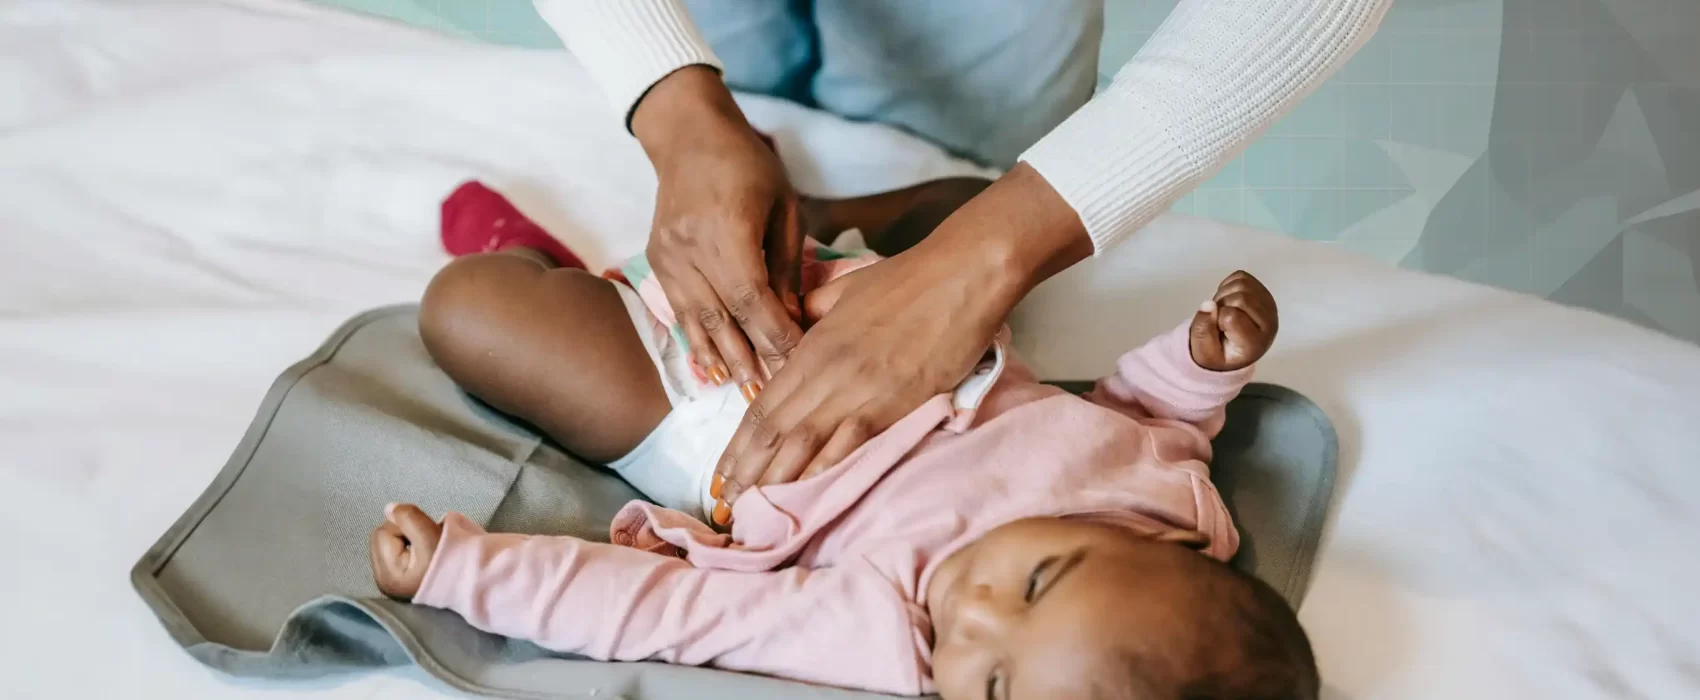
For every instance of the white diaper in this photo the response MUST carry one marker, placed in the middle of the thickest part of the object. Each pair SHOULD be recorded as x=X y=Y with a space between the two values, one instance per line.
x=674 y=464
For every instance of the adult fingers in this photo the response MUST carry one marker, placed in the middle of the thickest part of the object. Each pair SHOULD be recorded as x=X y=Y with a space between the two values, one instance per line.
x=809 y=449
x=820 y=300
x=851 y=434
x=740 y=278
x=703 y=350
x=717 y=344
x=750 y=441
x=752 y=448
x=757 y=311
x=793 y=455
x=784 y=251
x=767 y=424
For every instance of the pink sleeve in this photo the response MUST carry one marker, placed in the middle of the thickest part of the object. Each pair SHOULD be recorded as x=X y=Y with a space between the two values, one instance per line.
x=1160 y=380
x=616 y=603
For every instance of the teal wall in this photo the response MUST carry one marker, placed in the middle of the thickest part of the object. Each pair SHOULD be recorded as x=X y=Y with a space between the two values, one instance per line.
x=511 y=22
x=1545 y=146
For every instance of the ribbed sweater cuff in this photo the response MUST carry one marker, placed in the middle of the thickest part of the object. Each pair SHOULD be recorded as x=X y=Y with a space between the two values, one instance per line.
x=1115 y=184
x=628 y=45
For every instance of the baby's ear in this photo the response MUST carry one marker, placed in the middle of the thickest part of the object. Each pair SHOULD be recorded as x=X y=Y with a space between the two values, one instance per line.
x=1191 y=539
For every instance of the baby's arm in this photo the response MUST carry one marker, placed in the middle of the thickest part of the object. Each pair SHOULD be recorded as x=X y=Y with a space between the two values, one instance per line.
x=1191 y=372
x=847 y=627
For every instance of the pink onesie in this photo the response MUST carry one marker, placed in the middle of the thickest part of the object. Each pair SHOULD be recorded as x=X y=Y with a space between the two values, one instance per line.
x=824 y=580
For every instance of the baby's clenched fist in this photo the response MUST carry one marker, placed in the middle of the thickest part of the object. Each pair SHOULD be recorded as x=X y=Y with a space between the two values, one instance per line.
x=402 y=547
x=1236 y=327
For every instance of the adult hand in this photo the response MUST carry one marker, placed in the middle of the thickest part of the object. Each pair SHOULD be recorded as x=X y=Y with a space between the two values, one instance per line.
x=899 y=332
x=726 y=242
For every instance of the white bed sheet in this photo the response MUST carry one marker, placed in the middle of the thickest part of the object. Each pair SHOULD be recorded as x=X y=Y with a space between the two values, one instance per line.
x=194 y=193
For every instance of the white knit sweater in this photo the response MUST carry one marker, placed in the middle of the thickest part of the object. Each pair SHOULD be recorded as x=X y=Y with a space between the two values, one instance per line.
x=1211 y=79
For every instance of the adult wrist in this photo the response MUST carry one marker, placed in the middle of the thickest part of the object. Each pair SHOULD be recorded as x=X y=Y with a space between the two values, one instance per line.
x=676 y=110
x=1020 y=231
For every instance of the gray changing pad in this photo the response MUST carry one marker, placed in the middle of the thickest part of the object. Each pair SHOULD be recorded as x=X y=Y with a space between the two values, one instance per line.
x=266 y=575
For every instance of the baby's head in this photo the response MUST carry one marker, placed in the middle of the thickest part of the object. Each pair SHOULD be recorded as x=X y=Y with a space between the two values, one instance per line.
x=1062 y=609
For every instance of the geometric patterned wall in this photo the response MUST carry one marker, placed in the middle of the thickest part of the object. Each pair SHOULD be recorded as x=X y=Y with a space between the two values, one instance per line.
x=1546 y=146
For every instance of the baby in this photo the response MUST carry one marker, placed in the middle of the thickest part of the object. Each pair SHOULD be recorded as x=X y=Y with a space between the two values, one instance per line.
x=1006 y=540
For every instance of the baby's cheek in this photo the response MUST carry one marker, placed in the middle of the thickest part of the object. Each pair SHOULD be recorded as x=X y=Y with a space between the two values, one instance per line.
x=949 y=672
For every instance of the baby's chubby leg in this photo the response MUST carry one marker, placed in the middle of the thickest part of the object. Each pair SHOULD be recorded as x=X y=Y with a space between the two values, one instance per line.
x=553 y=346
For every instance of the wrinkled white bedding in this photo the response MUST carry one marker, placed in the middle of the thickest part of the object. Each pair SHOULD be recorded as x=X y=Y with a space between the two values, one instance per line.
x=194 y=193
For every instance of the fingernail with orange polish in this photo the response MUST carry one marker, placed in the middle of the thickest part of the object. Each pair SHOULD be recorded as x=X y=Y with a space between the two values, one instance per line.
x=750 y=390
x=717 y=375
x=722 y=513
x=715 y=486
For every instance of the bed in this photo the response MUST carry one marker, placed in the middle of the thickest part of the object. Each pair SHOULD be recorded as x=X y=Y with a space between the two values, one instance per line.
x=194 y=193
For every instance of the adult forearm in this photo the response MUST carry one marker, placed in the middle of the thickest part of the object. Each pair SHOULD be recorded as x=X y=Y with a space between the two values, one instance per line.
x=1016 y=234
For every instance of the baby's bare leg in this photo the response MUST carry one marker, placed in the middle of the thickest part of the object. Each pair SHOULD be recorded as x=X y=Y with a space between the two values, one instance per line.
x=891 y=222
x=552 y=346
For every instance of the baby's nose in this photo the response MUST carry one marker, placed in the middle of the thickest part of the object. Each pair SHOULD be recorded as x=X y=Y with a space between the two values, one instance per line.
x=982 y=617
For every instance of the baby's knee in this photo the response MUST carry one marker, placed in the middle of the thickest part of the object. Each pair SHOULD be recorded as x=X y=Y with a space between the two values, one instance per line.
x=462 y=296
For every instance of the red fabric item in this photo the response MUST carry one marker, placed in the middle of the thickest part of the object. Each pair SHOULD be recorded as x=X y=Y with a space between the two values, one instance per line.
x=476 y=219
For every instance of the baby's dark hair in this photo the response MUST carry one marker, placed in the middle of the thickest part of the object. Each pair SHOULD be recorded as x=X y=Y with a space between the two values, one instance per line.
x=1246 y=644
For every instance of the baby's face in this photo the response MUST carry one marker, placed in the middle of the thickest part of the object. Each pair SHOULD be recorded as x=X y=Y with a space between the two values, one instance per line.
x=1048 y=608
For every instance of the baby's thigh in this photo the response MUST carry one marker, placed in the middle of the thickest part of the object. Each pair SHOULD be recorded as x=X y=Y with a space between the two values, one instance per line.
x=555 y=347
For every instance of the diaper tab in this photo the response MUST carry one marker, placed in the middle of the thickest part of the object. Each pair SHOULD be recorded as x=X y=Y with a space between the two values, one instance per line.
x=965 y=399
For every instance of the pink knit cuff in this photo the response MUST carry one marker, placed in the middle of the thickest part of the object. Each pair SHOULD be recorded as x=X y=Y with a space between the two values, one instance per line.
x=454 y=565
x=1171 y=385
